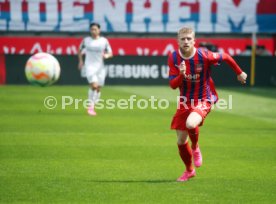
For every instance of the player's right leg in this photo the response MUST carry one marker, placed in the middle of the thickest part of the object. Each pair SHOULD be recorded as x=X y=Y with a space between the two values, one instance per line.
x=92 y=94
x=194 y=120
x=185 y=153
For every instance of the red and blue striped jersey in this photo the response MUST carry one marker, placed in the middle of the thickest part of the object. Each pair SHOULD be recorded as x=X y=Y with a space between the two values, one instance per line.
x=197 y=83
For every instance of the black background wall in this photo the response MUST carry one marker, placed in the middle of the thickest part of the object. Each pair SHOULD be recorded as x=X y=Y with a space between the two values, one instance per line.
x=142 y=70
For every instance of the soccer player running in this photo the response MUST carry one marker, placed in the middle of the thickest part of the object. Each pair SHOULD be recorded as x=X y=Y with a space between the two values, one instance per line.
x=189 y=70
x=95 y=48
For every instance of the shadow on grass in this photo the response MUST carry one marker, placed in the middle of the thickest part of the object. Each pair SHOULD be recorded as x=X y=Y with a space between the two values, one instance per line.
x=133 y=181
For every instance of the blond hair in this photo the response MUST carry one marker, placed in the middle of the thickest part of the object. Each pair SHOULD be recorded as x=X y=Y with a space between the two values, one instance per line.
x=185 y=30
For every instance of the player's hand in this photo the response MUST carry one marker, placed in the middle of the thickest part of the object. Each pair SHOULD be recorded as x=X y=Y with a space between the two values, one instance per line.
x=80 y=65
x=182 y=68
x=242 y=78
x=105 y=55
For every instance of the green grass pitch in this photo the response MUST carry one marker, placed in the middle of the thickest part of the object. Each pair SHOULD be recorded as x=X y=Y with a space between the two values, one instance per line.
x=130 y=156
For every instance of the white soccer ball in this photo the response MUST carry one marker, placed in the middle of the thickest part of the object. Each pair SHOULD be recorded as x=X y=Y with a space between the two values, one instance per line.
x=42 y=69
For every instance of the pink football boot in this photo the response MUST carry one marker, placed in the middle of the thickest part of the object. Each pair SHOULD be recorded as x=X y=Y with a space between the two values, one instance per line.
x=91 y=111
x=186 y=176
x=197 y=157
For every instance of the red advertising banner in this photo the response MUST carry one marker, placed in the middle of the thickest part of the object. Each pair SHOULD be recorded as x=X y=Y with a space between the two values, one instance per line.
x=122 y=46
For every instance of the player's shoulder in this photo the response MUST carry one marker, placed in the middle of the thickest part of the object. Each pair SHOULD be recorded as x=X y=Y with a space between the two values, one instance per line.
x=87 y=39
x=208 y=54
x=102 y=38
x=173 y=54
x=203 y=50
x=173 y=58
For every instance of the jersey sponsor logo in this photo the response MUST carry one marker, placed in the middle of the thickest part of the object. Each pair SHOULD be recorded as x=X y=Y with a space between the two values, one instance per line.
x=193 y=77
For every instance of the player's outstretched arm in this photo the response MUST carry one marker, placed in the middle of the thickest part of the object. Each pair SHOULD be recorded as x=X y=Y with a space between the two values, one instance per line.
x=241 y=76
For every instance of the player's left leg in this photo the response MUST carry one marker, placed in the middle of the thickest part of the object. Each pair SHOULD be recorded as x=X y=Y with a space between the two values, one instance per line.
x=101 y=74
x=96 y=92
x=194 y=120
x=185 y=154
x=92 y=95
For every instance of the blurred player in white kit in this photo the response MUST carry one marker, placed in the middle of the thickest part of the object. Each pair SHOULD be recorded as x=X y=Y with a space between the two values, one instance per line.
x=95 y=48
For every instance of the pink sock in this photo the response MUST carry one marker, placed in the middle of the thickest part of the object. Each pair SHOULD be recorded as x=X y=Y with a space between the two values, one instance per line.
x=185 y=153
x=193 y=134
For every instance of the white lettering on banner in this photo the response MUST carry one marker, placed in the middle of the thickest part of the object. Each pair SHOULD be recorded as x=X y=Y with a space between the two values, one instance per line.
x=13 y=50
x=121 y=51
x=70 y=49
x=69 y=12
x=133 y=16
x=127 y=71
x=176 y=12
x=47 y=20
x=238 y=18
x=133 y=71
x=169 y=48
x=16 y=21
x=205 y=24
x=121 y=46
x=164 y=71
x=9 y=50
x=147 y=16
x=3 y=23
x=36 y=48
x=79 y=9
x=144 y=51
x=112 y=15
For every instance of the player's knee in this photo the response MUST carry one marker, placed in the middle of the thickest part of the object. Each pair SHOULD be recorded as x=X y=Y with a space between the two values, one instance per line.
x=182 y=137
x=94 y=88
x=181 y=141
x=193 y=120
x=191 y=124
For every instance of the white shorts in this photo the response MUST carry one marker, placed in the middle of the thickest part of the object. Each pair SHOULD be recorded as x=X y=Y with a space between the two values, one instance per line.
x=95 y=75
x=83 y=72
